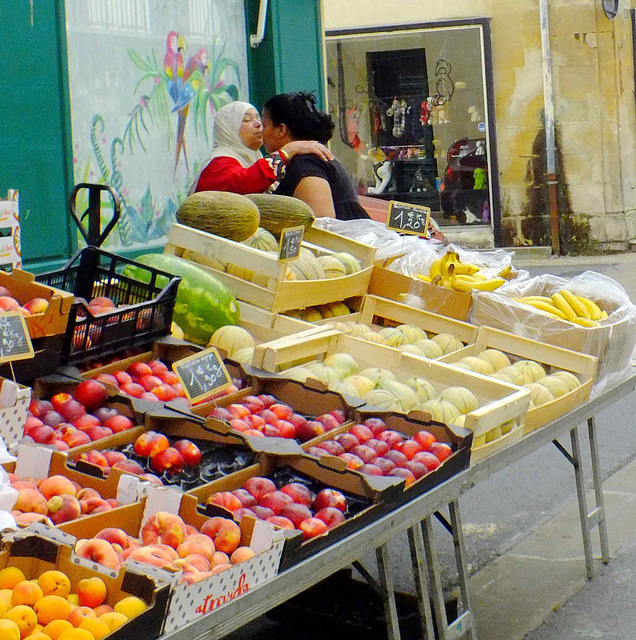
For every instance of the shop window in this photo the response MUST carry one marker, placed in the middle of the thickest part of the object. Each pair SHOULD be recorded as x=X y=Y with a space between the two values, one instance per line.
x=124 y=15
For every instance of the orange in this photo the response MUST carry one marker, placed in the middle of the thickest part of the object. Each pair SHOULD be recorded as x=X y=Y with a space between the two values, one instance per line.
x=9 y=630
x=54 y=583
x=113 y=619
x=53 y=629
x=98 y=628
x=52 y=608
x=24 y=617
x=10 y=576
x=130 y=606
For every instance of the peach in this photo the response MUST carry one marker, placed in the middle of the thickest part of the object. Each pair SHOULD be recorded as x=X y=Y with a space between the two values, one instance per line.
x=115 y=537
x=130 y=606
x=220 y=567
x=225 y=499
x=9 y=630
x=24 y=617
x=31 y=501
x=189 y=547
x=191 y=576
x=91 y=592
x=113 y=619
x=4 y=607
x=24 y=484
x=8 y=303
x=152 y=554
x=220 y=558
x=55 y=628
x=225 y=533
x=76 y=634
x=165 y=528
x=25 y=519
x=36 y=305
x=99 y=551
x=10 y=577
x=78 y=614
x=54 y=583
x=64 y=508
x=26 y=592
x=51 y=608
x=195 y=560
x=86 y=493
x=97 y=627
x=201 y=538
x=90 y=505
x=241 y=554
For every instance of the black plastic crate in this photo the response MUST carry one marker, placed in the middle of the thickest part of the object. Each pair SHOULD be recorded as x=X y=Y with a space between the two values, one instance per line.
x=144 y=310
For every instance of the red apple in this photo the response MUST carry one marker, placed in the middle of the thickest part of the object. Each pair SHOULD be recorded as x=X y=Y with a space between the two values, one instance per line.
x=347 y=441
x=133 y=389
x=392 y=438
x=299 y=493
x=283 y=523
x=295 y=512
x=42 y=434
x=330 y=516
x=384 y=464
x=441 y=450
x=371 y=469
x=309 y=430
x=287 y=429
x=275 y=501
x=53 y=419
x=253 y=404
x=114 y=456
x=428 y=459
x=118 y=423
x=332 y=447
x=156 y=367
x=169 y=460
x=396 y=457
x=330 y=498
x=259 y=486
x=425 y=439
x=407 y=474
x=138 y=370
x=282 y=411
x=149 y=382
x=122 y=378
x=246 y=498
x=339 y=415
x=328 y=421
x=225 y=499
x=317 y=452
x=366 y=454
x=264 y=513
x=376 y=425
x=71 y=410
x=190 y=452
x=222 y=413
x=267 y=400
x=150 y=444
x=129 y=465
x=91 y=394
x=104 y=413
x=353 y=462
x=296 y=419
x=361 y=432
x=312 y=527
x=416 y=468
x=97 y=433
x=409 y=448
x=378 y=446
x=85 y=421
x=107 y=378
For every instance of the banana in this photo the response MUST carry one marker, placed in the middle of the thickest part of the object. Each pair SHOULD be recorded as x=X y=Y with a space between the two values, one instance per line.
x=585 y=322
x=436 y=268
x=561 y=303
x=548 y=308
x=603 y=315
x=422 y=277
x=536 y=298
x=459 y=284
x=592 y=307
x=465 y=269
x=577 y=306
x=505 y=271
x=446 y=282
x=447 y=260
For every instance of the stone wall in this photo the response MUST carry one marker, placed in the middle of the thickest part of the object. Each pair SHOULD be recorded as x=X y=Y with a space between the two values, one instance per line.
x=594 y=110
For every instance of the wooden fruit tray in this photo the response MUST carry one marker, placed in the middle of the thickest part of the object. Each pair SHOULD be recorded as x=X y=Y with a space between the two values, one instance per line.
x=274 y=292
x=499 y=401
x=582 y=366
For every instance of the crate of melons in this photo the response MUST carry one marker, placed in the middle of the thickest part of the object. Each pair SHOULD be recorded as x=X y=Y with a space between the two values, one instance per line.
x=558 y=379
x=330 y=268
x=387 y=379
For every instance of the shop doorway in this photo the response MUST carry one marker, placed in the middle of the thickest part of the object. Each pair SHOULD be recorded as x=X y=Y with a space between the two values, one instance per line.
x=414 y=107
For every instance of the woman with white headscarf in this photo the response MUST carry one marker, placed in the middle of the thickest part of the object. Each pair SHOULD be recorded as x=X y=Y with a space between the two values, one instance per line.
x=236 y=164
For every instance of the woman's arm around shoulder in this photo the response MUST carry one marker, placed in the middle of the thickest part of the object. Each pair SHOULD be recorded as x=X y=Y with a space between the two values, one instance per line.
x=316 y=192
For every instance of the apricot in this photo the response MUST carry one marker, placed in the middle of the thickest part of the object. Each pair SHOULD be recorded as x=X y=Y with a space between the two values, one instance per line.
x=10 y=577
x=38 y=635
x=51 y=608
x=130 y=606
x=55 y=628
x=57 y=486
x=76 y=634
x=9 y=630
x=54 y=583
x=24 y=617
x=73 y=599
x=6 y=596
x=113 y=619
x=26 y=592
x=97 y=627
x=241 y=554
x=91 y=592
x=4 y=607
x=78 y=614
x=103 y=608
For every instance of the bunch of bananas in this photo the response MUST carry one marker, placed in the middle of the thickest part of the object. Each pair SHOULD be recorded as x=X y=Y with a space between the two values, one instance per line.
x=564 y=305
x=450 y=272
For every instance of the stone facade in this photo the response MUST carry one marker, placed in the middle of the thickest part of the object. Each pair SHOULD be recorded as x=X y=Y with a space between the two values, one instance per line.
x=595 y=113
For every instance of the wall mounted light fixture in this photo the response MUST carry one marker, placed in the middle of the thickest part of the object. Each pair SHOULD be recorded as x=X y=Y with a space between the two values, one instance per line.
x=610 y=8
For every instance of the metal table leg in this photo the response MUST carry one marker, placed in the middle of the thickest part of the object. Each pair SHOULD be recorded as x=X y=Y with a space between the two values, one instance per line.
x=587 y=521
x=599 y=512
x=418 y=558
x=435 y=582
x=388 y=592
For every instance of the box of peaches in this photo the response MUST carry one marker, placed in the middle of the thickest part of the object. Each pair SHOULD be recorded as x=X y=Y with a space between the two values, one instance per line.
x=46 y=592
x=209 y=561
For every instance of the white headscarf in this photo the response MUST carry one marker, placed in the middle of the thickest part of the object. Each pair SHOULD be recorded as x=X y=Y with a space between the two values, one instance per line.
x=227 y=138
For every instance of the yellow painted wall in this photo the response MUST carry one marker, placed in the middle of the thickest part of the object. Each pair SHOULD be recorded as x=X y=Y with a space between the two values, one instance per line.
x=594 y=108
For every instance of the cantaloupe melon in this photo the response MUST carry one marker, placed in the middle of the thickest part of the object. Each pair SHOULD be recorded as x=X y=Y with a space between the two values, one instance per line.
x=338 y=309
x=405 y=396
x=572 y=381
x=323 y=373
x=220 y=213
x=532 y=371
x=448 y=343
x=429 y=348
x=332 y=267
x=279 y=212
x=411 y=333
x=511 y=374
x=299 y=374
x=231 y=339
x=306 y=267
x=382 y=400
x=351 y=263
x=497 y=359
x=392 y=336
x=440 y=410
x=343 y=363
x=359 y=330
x=377 y=375
x=539 y=394
x=411 y=349
x=462 y=399
x=424 y=389
x=362 y=385
x=473 y=363
x=345 y=389
x=244 y=356
x=556 y=385
x=262 y=240
x=310 y=314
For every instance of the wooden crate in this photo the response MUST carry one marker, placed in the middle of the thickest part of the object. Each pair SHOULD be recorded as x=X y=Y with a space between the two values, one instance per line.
x=499 y=402
x=266 y=326
x=582 y=366
x=274 y=292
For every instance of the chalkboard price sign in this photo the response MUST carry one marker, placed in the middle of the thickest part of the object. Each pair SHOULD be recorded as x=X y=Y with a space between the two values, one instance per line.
x=15 y=342
x=290 y=242
x=408 y=218
x=202 y=375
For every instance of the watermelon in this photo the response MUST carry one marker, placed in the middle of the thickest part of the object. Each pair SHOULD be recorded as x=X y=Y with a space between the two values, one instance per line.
x=203 y=303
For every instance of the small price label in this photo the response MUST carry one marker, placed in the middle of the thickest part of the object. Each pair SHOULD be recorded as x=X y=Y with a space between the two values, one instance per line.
x=15 y=341
x=408 y=218
x=290 y=242
x=202 y=374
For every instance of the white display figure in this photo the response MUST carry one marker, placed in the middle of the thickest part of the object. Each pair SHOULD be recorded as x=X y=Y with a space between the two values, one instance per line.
x=382 y=175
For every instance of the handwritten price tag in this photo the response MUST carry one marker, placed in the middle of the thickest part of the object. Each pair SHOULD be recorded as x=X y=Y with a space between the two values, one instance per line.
x=15 y=342
x=290 y=242
x=408 y=218
x=202 y=374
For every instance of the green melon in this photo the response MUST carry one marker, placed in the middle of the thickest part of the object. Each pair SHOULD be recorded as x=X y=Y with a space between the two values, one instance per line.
x=280 y=212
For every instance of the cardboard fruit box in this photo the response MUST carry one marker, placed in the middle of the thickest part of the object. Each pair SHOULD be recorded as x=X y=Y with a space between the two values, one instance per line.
x=551 y=357
x=23 y=288
x=393 y=285
x=13 y=416
x=41 y=549
x=273 y=291
x=458 y=438
x=368 y=497
x=500 y=402
x=190 y=602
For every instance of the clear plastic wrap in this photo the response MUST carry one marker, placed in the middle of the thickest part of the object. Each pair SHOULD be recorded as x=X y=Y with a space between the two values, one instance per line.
x=388 y=243
x=612 y=342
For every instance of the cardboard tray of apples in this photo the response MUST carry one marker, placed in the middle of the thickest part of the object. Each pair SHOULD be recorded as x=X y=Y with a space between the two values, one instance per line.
x=381 y=443
x=43 y=573
x=209 y=561
x=317 y=502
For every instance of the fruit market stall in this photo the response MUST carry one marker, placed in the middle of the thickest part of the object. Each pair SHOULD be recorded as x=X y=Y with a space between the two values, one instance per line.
x=301 y=414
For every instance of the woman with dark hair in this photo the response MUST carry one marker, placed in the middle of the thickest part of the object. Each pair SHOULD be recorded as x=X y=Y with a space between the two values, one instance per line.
x=324 y=186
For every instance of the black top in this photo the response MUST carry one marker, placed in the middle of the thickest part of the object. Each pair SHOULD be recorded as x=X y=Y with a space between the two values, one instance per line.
x=345 y=199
